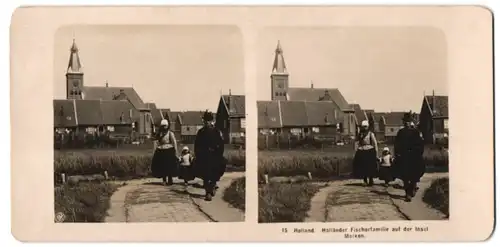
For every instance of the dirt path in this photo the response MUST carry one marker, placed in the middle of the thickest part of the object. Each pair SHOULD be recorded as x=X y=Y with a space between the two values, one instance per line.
x=146 y=200
x=349 y=200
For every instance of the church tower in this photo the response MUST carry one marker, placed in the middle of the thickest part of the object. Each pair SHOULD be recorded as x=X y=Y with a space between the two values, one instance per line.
x=279 y=76
x=74 y=75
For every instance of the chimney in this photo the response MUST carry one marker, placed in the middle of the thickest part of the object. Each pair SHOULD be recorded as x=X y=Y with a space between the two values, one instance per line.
x=106 y=83
x=312 y=84
x=433 y=102
x=229 y=102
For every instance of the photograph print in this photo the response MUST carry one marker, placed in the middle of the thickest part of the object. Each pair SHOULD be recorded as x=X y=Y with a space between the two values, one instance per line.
x=353 y=124
x=149 y=124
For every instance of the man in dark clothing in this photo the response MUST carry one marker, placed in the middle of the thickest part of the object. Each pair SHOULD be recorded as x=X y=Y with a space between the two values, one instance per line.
x=409 y=149
x=209 y=154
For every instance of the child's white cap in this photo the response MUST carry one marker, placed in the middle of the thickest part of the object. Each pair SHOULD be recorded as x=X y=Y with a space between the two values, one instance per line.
x=185 y=148
x=386 y=149
x=364 y=123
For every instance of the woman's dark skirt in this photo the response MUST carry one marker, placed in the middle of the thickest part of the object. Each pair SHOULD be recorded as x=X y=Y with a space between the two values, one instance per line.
x=165 y=163
x=386 y=173
x=365 y=164
x=186 y=173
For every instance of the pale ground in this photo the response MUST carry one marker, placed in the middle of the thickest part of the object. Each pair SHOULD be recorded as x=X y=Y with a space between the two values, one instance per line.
x=146 y=200
x=354 y=202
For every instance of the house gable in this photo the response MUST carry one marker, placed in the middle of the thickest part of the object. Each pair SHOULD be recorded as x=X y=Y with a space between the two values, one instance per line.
x=440 y=109
x=269 y=115
x=234 y=104
x=65 y=114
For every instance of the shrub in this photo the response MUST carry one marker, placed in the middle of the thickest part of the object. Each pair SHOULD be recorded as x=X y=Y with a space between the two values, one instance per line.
x=326 y=164
x=120 y=164
x=438 y=195
x=85 y=202
x=235 y=193
x=280 y=202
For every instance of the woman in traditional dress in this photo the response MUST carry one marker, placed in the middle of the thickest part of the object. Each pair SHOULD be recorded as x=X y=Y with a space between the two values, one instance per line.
x=365 y=162
x=165 y=160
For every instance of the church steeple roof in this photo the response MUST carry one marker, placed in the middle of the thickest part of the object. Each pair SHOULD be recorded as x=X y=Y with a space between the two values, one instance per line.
x=74 y=64
x=279 y=66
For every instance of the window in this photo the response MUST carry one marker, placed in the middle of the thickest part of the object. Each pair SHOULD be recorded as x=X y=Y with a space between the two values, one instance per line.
x=276 y=94
x=111 y=128
x=391 y=129
x=315 y=129
x=445 y=124
x=243 y=123
x=187 y=128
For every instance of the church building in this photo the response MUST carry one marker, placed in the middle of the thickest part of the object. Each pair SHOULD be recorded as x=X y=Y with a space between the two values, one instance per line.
x=93 y=109
x=303 y=110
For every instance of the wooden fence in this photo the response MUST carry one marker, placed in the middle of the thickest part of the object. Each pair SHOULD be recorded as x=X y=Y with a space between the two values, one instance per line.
x=73 y=141
x=269 y=142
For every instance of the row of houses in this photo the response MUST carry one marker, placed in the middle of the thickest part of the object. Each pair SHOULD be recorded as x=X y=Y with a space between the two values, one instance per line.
x=325 y=111
x=293 y=110
x=121 y=112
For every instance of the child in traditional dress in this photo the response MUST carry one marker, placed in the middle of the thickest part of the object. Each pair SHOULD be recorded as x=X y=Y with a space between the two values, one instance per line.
x=385 y=170
x=186 y=161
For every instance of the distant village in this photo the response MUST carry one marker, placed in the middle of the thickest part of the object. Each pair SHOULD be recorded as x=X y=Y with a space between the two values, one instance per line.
x=119 y=114
x=324 y=111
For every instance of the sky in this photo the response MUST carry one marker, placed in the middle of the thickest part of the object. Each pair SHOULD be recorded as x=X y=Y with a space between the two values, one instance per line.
x=380 y=68
x=167 y=65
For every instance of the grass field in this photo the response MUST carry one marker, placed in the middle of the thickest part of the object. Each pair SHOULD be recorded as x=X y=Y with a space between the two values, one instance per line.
x=327 y=163
x=285 y=202
x=120 y=164
x=235 y=193
x=438 y=195
x=289 y=202
x=85 y=202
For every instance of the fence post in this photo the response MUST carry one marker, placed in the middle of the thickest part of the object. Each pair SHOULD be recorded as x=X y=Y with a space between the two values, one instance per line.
x=309 y=175
x=266 y=178
x=289 y=142
x=63 y=178
x=338 y=168
x=266 y=139
x=106 y=175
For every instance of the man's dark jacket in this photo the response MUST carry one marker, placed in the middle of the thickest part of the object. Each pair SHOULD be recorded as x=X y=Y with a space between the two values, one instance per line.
x=209 y=154
x=409 y=149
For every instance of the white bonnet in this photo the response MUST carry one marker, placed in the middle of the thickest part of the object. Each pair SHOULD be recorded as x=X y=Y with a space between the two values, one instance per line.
x=164 y=122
